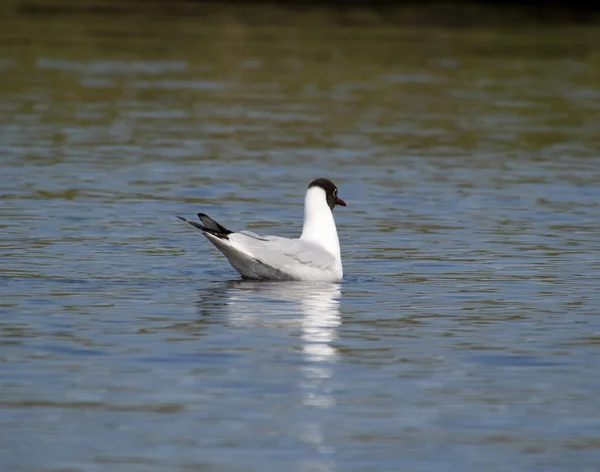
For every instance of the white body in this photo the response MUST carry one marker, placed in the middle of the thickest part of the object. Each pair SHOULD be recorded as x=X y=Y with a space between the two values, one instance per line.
x=314 y=257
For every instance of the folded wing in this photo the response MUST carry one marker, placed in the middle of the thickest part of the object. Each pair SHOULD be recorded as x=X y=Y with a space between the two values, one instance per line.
x=284 y=254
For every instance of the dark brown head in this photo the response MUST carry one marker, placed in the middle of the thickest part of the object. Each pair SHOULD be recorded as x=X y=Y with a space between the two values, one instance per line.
x=331 y=192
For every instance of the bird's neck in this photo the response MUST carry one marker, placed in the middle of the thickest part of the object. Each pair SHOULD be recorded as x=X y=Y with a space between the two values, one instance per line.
x=319 y=225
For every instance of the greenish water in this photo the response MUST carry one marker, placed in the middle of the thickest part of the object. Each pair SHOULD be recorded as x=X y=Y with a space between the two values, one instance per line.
x=465 y=335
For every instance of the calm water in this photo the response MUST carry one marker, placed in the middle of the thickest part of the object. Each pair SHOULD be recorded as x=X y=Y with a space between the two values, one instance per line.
x=466 y=333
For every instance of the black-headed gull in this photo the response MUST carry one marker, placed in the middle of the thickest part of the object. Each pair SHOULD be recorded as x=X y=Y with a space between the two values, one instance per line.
x=314 y=256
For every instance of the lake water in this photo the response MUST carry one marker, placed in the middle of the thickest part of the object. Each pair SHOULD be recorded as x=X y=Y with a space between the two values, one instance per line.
x=466 y=333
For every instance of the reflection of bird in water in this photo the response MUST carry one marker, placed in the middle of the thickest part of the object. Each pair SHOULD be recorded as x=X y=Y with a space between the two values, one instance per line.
x=321 y=311
x=275 y=304
x=278 y=304
x=312 y=307
x=286 y=307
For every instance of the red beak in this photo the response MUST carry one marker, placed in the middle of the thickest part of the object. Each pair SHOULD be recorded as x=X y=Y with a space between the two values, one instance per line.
x=339 y=201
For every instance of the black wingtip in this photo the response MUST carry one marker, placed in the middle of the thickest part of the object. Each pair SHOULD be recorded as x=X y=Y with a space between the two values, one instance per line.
x=213 y=226
x=193 y=223
x=210 y=226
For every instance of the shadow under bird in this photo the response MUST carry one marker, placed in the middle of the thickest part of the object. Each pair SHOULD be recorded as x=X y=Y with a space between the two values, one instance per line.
x=315 y=256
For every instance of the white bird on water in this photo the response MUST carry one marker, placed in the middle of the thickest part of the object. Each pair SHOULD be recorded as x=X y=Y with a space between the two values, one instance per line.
x=315 y=256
